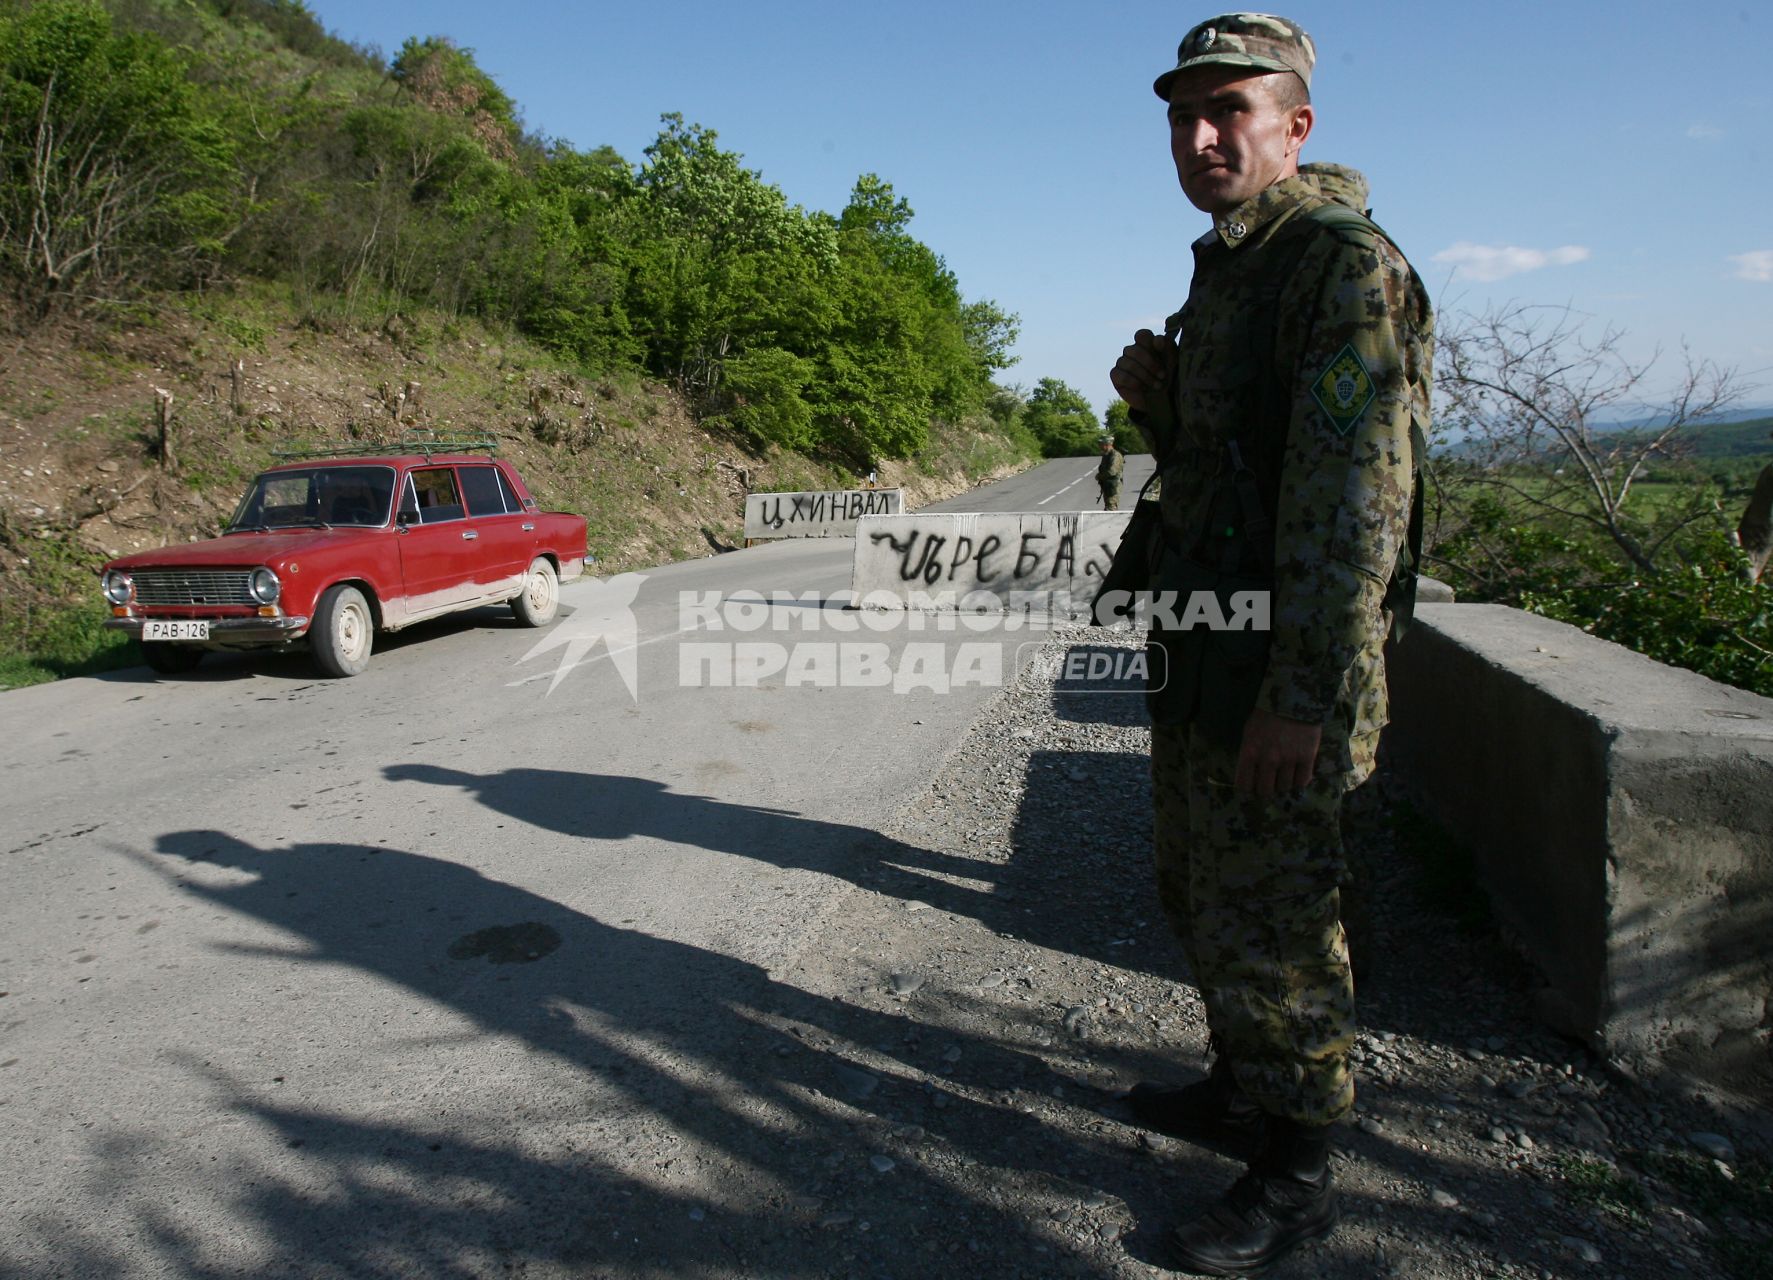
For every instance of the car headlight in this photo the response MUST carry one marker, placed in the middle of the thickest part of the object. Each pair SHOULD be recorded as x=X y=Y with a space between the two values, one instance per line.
x=117 y=586
x=265 y=586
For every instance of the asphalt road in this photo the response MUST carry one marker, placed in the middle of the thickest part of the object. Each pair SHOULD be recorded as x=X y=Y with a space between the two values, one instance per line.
x=297 y=975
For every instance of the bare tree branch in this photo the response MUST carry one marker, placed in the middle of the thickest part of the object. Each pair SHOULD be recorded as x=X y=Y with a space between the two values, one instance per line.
x=1551 y=420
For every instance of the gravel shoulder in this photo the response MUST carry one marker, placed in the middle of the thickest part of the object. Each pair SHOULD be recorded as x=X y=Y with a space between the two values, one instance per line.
x=1004 y=970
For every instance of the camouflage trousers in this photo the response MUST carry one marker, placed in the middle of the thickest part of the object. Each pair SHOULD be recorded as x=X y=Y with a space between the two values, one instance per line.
x=1110 y=496
x=1252 y=889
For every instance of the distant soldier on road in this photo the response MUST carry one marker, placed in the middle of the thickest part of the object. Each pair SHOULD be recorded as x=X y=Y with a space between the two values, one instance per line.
x=1284 y=406
x=1108 y=473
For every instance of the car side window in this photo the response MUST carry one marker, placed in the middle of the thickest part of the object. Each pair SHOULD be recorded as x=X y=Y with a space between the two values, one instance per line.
x=481 y=487
x=512 y=501
x=438 y=497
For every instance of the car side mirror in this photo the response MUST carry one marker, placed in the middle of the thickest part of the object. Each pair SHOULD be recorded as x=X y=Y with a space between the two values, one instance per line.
x=405 y=518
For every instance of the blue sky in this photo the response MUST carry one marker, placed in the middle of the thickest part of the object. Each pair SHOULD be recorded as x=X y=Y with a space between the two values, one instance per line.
x=1606 y=156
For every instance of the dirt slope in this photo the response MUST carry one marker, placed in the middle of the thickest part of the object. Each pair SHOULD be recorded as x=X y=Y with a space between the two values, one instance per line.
x=82 y=477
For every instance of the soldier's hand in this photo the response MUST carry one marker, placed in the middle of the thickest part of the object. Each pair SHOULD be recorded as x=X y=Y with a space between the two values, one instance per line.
x=1277 y=754
x=1145 y=365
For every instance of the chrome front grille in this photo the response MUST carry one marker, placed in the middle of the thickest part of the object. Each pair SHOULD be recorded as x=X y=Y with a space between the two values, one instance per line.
x=194 y=586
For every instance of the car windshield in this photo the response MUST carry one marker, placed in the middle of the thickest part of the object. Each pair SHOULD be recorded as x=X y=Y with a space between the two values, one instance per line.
x=316 y=497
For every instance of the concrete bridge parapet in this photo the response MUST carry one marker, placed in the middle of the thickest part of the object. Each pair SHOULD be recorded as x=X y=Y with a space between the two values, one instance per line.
x=1621 y=814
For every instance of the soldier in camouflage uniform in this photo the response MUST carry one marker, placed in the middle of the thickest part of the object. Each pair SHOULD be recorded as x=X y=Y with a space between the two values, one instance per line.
x=1281 y=404
x=1108 y=474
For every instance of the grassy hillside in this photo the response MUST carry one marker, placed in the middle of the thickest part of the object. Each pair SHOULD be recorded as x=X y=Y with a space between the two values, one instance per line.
x=81 y=479
x=1751 y=439
x=303 y=241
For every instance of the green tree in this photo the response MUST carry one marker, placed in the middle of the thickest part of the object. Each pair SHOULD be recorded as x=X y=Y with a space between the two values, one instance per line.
x=990 y=332
x=896 y=355
x=113 y=172
x=722 y=264
x=444 y=79
x=560 y=263
x=293 y=26
x=1062 y=420
x=1117 y=421
x=767 y=391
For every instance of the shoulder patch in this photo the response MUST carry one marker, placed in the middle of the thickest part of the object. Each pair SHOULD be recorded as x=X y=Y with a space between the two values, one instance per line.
x=1344 y=389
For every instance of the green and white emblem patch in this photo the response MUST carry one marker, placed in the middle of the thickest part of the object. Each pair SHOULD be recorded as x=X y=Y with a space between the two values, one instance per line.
x=1344 y=389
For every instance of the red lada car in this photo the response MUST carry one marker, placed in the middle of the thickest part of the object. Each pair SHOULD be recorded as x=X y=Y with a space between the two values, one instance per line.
x=330 y=551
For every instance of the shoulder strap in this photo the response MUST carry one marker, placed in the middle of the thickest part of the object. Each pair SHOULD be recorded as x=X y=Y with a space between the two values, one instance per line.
x=1275 y=396
x=1333 y=213
x=1400 y=591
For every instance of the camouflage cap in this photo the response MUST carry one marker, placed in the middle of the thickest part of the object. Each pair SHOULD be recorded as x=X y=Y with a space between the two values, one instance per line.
x=1259 y=41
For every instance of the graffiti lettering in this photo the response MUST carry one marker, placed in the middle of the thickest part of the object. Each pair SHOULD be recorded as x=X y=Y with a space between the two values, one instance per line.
x=1010 y=558
x=930 y=557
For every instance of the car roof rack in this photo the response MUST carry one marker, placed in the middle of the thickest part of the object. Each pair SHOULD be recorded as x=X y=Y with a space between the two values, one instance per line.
x=425 y=443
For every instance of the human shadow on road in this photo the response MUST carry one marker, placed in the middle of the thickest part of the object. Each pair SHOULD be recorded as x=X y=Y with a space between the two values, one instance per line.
x=673 y=1110
x=614 y=807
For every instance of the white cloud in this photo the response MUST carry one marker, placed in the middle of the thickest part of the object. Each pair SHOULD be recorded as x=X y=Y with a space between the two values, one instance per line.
x=1704 y=132
x=1487 y=262
x=1756 y=266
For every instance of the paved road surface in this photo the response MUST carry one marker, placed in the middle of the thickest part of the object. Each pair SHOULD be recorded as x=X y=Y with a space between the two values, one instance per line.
x=270 y=943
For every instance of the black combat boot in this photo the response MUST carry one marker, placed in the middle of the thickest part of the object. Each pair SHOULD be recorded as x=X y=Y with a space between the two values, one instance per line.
x=1213 y=1111
x=1280 y=1203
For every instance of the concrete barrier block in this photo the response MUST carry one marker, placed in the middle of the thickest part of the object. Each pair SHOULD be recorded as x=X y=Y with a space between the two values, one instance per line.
x=983 y=561
x=1621 y=813
x=829 y=513
x=1432 y=591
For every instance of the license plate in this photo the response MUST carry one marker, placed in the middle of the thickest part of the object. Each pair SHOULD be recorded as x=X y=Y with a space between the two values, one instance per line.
x=152 y=630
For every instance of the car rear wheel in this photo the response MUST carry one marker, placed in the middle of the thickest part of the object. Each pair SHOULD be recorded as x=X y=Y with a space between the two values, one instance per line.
x=539 y=601
x=170 y=659
x=343 y=632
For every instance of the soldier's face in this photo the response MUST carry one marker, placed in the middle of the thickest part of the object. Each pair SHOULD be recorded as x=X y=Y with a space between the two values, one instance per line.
x=1230 y=137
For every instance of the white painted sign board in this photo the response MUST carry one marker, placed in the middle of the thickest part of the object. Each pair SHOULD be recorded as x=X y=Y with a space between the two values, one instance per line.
x=830 y=513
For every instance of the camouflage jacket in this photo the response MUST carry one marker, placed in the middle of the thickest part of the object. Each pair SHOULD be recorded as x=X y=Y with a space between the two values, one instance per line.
x=1346 y=342
x=1110 y=468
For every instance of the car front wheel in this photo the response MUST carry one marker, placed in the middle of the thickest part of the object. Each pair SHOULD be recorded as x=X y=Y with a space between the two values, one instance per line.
x=170 y=659
x=343 y=632
x=539 y=601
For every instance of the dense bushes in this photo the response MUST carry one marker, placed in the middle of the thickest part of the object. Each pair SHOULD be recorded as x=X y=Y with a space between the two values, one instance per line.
x=114 y=168
x=1698 y=610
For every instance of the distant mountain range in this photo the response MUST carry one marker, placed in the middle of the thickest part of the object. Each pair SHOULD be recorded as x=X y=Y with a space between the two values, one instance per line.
x=1735 y=438
x=1746 y=433
x=1734 y=415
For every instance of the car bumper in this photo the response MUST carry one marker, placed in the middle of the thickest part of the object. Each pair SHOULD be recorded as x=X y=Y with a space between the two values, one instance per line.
x=228 y=631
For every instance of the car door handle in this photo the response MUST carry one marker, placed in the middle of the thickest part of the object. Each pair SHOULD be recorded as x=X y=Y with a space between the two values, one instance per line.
x=470 y=536
x=529 y=527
